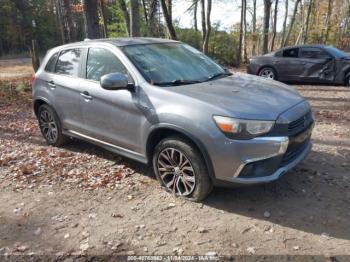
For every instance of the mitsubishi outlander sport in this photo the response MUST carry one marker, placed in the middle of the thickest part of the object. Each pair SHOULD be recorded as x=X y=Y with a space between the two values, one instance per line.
x=165 y=103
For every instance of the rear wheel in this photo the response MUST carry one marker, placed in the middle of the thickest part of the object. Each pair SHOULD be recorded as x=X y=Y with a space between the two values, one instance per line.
x=180 y=169
x=50 y=126
x=268 y=72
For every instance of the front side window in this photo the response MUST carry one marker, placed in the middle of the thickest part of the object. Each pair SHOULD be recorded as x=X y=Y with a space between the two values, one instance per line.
x=50 y=66
x=68 y=62
x=312 y=52
x=101 y=62
x=168 y=63
x=292 y=52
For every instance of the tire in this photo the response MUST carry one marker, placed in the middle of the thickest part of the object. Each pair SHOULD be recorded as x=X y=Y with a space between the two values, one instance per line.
x=50 y=126
x=268 y=72
x=347 y=80
x=198 y=184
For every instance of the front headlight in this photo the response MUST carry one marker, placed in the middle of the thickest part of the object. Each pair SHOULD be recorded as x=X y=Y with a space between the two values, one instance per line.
x=242 y=129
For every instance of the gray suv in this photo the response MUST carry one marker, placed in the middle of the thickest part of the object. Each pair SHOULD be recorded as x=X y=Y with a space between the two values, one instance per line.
x=163 y=102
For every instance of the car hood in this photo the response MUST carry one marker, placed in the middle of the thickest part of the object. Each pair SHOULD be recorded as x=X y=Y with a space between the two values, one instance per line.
x=244 y=96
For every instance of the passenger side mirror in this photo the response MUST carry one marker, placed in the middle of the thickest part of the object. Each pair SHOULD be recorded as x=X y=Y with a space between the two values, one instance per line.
x=115 y=81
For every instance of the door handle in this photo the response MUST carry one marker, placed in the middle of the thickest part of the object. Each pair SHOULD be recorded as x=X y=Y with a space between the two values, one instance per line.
x=86 y=95
x=52 y=84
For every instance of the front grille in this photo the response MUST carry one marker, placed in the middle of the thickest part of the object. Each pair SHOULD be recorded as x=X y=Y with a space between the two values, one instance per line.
x=300 y=124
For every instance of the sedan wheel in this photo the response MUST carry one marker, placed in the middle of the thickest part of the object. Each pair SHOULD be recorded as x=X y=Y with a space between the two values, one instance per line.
x=267 y=73
x=176 y=172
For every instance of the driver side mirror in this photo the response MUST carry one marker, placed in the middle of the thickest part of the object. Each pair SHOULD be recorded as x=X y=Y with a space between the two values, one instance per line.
x=115 y=81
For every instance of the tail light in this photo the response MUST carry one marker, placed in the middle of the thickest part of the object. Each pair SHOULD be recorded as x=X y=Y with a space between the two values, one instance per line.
x=32 y=79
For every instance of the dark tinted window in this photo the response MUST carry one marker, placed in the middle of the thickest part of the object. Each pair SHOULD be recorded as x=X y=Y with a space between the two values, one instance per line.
x=102 y=62
x=292 y=52
x=68 y=62
x=312 y=52
x=50 y=66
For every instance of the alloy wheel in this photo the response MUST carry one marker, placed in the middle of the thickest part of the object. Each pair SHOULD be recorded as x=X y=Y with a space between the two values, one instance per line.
x=176 y=172
x=267 y=73
x=48 y=126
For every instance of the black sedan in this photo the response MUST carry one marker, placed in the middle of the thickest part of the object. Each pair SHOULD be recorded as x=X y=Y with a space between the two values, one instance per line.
x=305 y=63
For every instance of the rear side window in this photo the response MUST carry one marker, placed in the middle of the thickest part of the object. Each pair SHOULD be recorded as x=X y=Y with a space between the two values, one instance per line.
x=101 y=62
x=50 y=66
x=312 y=52
x=68 y=62
x=292 y=52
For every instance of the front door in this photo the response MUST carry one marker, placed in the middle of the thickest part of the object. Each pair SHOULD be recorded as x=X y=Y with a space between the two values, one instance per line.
x=289 y=65
x=109 y=115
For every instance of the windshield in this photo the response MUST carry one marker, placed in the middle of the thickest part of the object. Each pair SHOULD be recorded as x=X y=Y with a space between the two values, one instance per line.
x=173 y=63
x=336 y=52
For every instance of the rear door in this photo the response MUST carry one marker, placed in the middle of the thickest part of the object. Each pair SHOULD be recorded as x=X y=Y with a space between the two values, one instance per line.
x=64 y=84
x=288 y=64
x=319 y=65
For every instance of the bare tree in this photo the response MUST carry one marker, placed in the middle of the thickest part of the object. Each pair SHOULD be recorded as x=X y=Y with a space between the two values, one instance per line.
x=134 y=18
x=254 y=28
x=245 y=57
x=240 y=42
x=103 y=15
x=267 y=8
x=204 y=26
x=60 y=19
x=274 y=29
x=195 y=7
x=208 y=27
x=124 y=9
x=92 y=21
x=292 y=22
x=309 y=8
x=328 y=20
x=284 y=30
x=167 y=12
x=72 y=36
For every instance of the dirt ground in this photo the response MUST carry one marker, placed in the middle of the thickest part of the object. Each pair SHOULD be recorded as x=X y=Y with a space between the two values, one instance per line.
x=81 y=199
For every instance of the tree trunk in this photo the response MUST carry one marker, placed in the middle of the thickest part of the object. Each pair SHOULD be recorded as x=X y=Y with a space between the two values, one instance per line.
x=152 y=18
x=267 y=8
x=245 y=57
x=134 y=18
x=123 y=8
x=34 y=51
x=328 y=20
x=240 y=42
x=59 y=20
x=284 y=24
x=92 y=21
x=274 y=26
x=292 y=22
x=204 y=27
x=103 y=15
x=307 y=22
x=254 y=29
x=166 y=8
x=195 y=5
x=208 y=29
x=72 y=35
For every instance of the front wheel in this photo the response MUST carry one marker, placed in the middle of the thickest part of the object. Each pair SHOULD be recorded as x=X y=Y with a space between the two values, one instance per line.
x=268 y=72
x=180 y=169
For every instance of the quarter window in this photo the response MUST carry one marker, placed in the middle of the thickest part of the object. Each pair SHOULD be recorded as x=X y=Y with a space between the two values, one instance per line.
x=101 y=62
x=68 y=62
x=292 y=52
x=50 y=66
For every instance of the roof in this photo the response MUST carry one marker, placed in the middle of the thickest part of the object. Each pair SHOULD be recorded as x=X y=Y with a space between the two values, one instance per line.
x=125 y=41
x=308 y=45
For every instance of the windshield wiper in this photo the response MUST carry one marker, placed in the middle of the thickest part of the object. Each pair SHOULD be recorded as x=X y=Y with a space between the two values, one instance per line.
x=177 y=82
x=218 y=75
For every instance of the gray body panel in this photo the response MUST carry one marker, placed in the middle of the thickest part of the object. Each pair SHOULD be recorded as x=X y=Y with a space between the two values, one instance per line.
x=312 y=70
x=123 y=121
